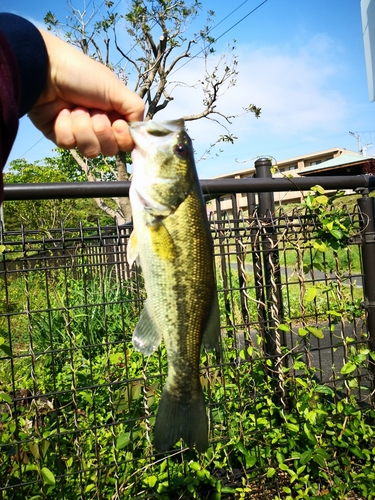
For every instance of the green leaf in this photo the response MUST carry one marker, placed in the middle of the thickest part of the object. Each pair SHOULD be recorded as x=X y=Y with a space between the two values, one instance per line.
x=317 y=332
x=34 y=448
x=320 y=246
x=357 y=452
x=31 y=467
x=306 y=457
x=349 y=367
x=318 y=266
x=151 y=481
x=323 y=389
x=5 y=397
x=302 y=332
x=311 y=294
x=309 y=201
x=319 y=460
x=2 y=248
x=48 y=476
x=194 y=466
x=271 y=472
x=227 y=489
x=284 y=328
x=293 y=427
x=122 y=440
x=322 y=453
x=5 y=348
x=251 y=460
x=241 y=448
x=336 y=233
x=301 y=469
x=116 y=358
x=322 y=200
x=334 y=313
x=318 y=189
x=44 y=445
x=279 y=457
x=308 y=432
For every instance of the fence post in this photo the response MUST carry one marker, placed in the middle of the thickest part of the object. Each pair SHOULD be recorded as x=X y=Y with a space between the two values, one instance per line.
x=366 y=205
x=271 y=265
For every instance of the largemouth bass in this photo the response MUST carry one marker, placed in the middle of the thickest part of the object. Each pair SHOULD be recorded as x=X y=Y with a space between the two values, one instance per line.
x=171 y=241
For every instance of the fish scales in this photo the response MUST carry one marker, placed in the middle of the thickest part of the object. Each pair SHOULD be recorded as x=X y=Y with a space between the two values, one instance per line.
x=172 y=243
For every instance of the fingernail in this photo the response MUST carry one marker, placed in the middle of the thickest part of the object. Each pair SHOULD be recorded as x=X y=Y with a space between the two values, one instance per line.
x=120 y=127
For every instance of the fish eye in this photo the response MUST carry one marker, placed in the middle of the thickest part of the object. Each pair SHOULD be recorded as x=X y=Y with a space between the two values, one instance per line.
x=181 y=150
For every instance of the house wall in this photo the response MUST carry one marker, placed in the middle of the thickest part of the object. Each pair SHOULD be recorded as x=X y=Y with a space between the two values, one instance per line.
x=290 y=167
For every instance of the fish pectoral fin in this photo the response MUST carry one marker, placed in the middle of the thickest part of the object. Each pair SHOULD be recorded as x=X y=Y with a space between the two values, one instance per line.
x=146 y=336
x=211 y=333
x=132 y=249
x=162 y=242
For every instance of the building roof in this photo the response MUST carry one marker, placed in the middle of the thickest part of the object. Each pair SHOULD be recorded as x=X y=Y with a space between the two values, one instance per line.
x=245 y=172
x=339 y=161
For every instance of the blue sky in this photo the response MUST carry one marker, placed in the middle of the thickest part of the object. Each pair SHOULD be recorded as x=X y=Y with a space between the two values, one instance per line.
x=302 y=62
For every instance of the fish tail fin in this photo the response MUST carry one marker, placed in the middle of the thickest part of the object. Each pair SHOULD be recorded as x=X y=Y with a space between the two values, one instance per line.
x=181 y=419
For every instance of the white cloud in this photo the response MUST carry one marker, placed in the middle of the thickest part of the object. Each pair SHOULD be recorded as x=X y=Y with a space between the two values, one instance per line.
x=298 y=89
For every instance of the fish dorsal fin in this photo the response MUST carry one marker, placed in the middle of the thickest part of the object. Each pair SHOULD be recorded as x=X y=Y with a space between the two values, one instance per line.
x=211 y=333
x=146 y=337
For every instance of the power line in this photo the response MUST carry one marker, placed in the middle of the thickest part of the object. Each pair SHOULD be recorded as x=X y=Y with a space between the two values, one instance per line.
x=226 y=17
x=221 y=36
x=191 y=58
x=37 y=142
x=208 y=32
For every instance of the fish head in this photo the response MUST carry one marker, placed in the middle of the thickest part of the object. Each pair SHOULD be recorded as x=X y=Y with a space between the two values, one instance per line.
x=163 y=166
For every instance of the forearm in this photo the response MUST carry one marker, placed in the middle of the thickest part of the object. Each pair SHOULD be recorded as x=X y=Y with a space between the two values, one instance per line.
x=29 y=51
x=23 y=70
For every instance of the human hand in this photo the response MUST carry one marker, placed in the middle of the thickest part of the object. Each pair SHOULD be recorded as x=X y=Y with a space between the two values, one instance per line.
x=84 y=104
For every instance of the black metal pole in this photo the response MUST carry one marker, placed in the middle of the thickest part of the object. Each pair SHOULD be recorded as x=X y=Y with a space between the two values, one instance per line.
x=270 y=257
x=60 y=190
x=366 y=205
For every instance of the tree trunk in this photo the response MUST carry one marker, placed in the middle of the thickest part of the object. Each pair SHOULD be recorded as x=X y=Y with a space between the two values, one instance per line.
x=123 y=175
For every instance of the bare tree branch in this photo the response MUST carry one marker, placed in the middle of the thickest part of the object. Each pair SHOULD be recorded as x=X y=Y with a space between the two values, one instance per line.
x=158 y=43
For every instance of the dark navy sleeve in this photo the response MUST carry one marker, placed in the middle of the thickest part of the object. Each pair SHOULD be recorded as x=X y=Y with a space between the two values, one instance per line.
x=23 y=74
x=30 y=53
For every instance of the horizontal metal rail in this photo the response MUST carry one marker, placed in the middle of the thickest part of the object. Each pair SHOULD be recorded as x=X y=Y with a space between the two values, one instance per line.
x=211 y=187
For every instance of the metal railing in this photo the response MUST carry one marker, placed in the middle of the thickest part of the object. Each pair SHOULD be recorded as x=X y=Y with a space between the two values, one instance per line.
x=77 y=403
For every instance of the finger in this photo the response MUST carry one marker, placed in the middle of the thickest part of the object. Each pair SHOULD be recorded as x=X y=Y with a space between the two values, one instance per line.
x=125 y=102
x=102 y=128
x=122 y=134
x=85 y=137
x=62 y=130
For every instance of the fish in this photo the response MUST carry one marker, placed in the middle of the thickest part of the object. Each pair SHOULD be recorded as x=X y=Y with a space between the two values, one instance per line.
x=171 y=242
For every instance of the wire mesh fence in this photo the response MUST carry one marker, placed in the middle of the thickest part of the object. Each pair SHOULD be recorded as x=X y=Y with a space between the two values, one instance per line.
x=78 y=403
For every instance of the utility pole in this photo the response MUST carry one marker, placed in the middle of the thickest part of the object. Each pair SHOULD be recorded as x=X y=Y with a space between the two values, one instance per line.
x=361 y=149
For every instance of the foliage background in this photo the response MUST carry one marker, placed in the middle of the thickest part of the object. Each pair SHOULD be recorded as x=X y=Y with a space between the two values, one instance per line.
x=78 y=404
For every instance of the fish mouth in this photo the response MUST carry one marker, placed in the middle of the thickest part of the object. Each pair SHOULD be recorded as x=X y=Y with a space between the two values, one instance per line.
x=158 y=129
x=149 y=134
x=151 y=206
